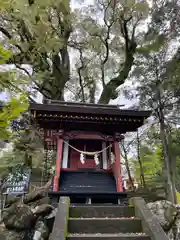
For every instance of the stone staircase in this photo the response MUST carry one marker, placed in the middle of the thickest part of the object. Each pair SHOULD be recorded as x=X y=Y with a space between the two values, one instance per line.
x=104 y=222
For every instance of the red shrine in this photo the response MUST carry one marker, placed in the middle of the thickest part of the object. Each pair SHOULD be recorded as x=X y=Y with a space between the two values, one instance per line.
x=86 y=137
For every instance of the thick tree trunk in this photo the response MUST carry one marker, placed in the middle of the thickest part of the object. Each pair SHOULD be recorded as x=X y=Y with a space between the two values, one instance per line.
x=142 y=177
x=168 y=170
x=61 y=73
x=169 y=186
x=109 y=90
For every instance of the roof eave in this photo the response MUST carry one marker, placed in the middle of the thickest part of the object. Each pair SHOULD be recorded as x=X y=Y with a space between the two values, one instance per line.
x=88 y=110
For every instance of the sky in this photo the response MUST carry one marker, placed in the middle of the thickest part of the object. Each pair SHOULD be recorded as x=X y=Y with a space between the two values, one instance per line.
x=3 y=96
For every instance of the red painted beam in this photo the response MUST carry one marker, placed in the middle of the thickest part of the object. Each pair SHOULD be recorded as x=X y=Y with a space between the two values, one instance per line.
x=117 y=168
x=86 y=135
x=58 y=164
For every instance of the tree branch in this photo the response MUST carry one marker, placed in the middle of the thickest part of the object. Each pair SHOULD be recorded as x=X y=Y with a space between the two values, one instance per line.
x=40 y=88
x=23 y=69
x=105 y=41
x=79 y=74
x=5 y=32
x=130 y=49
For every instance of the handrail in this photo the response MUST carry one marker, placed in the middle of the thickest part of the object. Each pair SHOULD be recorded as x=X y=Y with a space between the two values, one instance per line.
x=59 y=231
x=150 y=224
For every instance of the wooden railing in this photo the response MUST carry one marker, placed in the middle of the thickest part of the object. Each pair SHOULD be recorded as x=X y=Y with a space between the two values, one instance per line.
x=150 y=224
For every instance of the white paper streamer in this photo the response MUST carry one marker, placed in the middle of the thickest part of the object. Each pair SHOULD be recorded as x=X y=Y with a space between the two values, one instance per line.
x=82 y=158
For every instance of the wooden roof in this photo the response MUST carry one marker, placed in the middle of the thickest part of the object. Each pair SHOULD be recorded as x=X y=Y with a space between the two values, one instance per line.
x=75 y=116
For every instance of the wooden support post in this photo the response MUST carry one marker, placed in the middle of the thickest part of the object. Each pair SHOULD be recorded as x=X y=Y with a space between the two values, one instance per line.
x=117 y=169
x=104 y=155
x=58 y=164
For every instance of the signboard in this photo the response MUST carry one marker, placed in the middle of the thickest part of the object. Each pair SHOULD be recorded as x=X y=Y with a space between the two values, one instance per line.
x=18 y=183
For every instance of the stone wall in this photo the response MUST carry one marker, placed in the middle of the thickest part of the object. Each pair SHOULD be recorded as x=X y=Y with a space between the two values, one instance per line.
x=30 y=218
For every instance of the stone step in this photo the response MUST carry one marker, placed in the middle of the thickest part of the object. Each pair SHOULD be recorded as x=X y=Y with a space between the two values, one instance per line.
x=104 y=225
x=117 y=236
x=90 y=211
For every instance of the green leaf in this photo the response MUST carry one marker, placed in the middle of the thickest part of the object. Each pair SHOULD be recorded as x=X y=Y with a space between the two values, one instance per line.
x=11 y=111
x=153 y=46
x=4 y=54
x=142 y=7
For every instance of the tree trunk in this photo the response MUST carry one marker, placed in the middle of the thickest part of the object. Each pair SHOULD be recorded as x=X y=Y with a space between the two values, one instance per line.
x=127 y=167
x=61 y=73
x=168 y=170
x=109 y=90
x=92 y=92
x=142 y=177
x=173 y=176
x=169 y=186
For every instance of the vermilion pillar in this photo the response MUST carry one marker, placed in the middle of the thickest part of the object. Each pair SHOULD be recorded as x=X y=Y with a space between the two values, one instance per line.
x=117 y=167
x=58 y=164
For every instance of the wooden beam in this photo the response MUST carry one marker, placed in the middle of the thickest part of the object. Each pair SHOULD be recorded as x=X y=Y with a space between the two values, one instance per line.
x=104 y=156
x=58 y=164
x=84 y=135
x=117 y=167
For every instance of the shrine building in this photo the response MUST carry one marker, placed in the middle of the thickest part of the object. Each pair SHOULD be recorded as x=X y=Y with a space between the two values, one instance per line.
x=86 y=138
